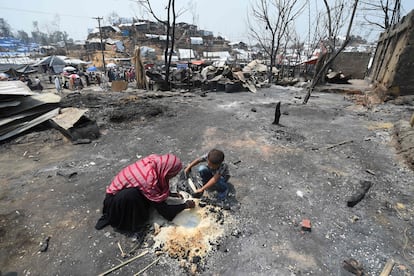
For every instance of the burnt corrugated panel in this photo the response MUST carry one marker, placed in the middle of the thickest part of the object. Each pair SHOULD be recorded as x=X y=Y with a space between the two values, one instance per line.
x=23 y=126
x=22 y=109
x=14 y=88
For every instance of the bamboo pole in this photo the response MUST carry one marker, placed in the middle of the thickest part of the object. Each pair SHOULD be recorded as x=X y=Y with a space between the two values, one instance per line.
x=387 y=268
x=148 y=266
x=124 y=263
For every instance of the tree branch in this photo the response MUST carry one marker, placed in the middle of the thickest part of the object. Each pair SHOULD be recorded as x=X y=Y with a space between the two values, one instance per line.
x=326 y=64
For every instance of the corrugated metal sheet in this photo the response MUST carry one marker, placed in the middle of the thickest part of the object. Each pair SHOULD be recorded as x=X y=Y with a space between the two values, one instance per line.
x=14 y=88
x=22 y=109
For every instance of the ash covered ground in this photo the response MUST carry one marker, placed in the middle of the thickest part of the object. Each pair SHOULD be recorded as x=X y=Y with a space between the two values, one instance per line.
x=305 y=168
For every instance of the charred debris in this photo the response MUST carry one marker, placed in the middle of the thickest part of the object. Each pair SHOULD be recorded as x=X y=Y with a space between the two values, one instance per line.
x=209 y=76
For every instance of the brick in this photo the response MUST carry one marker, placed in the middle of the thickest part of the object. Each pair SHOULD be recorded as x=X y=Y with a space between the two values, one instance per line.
x=306 y=225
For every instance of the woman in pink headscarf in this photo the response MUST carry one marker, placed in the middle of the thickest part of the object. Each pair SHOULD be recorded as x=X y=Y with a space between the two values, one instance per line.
x=138 y=187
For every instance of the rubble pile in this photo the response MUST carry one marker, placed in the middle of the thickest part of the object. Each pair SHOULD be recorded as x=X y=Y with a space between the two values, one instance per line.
x=213 y=77
x=22 y=109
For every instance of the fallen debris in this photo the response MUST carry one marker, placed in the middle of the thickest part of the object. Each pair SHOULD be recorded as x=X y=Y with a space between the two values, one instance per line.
x=81 y=141
x=21 y=109
x=306 y=225
x=45 y=245
x=13 y=130
x=370 y=172
x=67 y=173
x=339 y=144
x=73 y=124
x=123 y=254
x=220 y=77
x=353 y=266
x=360 y=194
x=337 y=77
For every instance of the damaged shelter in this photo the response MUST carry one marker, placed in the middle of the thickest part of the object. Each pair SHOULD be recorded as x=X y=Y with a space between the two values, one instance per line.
x=22 y=109
x=213 y=76
x=56 y=64
x=14 y=71
x=392 y=67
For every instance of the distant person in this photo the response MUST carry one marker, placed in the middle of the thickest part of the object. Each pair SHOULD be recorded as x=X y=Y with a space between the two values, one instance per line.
x=71 y=83
x=27 y=81
x=64 y=82
x=111 y=75
x=137 y=188
x=58 y=85
x=36 y=81
x=87 y=79
x=98 y=79
x=22 y=79
x=214 y=176
x=78 y=83
x=37 y=85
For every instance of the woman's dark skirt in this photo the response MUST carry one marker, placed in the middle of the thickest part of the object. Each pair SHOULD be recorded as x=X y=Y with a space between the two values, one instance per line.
x=129 y=210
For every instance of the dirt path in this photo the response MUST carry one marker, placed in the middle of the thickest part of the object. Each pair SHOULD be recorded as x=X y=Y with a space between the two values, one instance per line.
x=305 y=168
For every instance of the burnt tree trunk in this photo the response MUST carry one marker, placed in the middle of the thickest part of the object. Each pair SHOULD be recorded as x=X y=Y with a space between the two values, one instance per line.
x=277 y=114
x=167 y=46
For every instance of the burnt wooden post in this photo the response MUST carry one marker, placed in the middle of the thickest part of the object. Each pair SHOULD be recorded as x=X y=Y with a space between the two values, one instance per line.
x=277 y=114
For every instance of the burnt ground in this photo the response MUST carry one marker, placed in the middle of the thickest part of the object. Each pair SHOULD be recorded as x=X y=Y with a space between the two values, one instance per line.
x=305 y=168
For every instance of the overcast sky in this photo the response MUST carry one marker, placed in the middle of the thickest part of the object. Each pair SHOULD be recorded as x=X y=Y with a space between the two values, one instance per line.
x=223 y=17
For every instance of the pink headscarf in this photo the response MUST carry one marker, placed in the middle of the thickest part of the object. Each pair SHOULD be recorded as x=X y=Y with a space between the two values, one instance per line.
x=150 y=174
